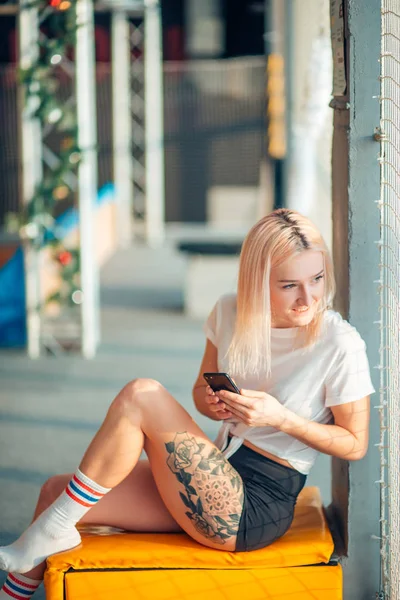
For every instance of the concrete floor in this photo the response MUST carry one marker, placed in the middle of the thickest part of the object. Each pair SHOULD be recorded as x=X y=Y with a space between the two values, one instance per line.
x=50 y=408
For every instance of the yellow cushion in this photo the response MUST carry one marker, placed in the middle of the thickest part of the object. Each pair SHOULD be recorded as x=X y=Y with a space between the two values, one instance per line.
x=290 y=583
x=308 y=542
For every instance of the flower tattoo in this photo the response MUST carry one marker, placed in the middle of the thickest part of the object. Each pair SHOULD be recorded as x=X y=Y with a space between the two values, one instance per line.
x=213 y=490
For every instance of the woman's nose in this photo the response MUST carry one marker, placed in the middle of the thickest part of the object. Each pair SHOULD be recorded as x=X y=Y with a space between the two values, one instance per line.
x=305 y=297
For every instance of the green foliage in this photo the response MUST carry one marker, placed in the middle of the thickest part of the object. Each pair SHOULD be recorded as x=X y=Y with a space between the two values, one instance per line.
x=42 y=100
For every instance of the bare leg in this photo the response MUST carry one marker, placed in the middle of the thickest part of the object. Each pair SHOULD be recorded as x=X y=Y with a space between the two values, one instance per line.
x=134 y=505
x=198 y=486
x=183 y=461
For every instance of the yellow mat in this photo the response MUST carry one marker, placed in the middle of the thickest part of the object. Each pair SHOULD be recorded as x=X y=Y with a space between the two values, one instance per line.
x=291 y=583
x=161 y=561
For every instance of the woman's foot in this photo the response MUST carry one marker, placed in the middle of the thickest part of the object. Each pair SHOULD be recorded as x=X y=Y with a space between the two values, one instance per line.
x=39 y=541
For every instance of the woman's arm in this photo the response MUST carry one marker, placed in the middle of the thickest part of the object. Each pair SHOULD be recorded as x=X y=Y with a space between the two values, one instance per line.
x=208 y=364
x=347 y=438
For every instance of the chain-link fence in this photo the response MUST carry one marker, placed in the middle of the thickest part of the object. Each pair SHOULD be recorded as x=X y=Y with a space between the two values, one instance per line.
x=214 y=114
x=390 y=298
x=214 y=131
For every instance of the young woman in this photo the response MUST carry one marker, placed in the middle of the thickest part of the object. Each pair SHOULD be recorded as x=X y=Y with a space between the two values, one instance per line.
x=304 y=380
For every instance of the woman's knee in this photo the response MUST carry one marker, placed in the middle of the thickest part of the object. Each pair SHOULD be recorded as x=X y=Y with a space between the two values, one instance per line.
x=136 y=392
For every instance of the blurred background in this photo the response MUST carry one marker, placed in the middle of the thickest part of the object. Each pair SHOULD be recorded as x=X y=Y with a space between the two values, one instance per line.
x=135 y=155
x=140 y=140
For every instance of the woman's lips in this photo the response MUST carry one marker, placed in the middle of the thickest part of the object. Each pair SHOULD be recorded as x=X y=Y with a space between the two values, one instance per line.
x=301 y=310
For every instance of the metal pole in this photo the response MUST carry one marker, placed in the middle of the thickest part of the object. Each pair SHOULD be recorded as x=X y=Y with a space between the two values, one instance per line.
x=87 y=175
x=31 y=137
x=154 y=124
x=122 y=127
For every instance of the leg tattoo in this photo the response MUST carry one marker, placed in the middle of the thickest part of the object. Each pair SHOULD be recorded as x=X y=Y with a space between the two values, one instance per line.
x=213 y=489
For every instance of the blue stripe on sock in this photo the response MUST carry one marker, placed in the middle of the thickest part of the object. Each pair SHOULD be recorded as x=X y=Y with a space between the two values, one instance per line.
x=80 y=493
x=18 y=589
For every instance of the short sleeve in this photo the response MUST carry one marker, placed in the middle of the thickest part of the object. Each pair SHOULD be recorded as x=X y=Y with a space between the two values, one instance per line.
x=350 y=378
x=211 y=325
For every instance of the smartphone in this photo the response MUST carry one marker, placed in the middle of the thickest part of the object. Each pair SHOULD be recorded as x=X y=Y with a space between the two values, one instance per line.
x=221 y=381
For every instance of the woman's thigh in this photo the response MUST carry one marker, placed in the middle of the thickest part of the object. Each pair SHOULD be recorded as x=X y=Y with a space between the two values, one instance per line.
x=198 y=485
x=187 y=484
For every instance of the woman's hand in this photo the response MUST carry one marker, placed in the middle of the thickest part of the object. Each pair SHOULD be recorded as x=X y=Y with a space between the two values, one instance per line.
x=217 y=406
x=255 y=409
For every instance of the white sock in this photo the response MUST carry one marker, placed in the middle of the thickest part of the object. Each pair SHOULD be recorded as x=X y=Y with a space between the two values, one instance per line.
x=18 y=587
x=54 y=531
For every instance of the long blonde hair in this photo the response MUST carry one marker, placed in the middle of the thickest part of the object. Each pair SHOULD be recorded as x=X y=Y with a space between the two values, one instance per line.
x=270 y=242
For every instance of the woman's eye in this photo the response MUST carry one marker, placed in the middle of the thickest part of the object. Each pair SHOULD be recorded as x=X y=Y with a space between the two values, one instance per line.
x=292 y=285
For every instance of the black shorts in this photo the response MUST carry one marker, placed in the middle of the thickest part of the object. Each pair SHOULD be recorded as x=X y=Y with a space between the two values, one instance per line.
x=270 y=494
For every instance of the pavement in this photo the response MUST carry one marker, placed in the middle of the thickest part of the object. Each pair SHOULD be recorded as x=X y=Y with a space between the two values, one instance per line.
x=50 y=408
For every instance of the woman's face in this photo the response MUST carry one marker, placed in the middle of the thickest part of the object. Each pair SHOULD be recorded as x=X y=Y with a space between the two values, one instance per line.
x=296 y=288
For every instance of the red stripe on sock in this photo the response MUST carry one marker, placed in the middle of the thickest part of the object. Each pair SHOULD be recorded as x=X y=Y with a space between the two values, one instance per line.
x=27 y=585
x=86 y=487
x=13 y=595
x=78 y=499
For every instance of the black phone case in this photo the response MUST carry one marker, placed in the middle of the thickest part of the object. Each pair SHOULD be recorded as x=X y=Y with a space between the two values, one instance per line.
x=221 y=381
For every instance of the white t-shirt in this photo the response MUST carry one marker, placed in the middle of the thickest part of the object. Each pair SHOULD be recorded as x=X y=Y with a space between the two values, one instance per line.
x=307 y=381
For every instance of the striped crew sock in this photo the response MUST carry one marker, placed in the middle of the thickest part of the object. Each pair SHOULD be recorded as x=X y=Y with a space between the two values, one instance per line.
x=19 y=587
x=54 y=530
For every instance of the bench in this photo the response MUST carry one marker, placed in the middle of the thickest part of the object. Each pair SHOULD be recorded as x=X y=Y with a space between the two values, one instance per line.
x=212 y=270
x=143 y=566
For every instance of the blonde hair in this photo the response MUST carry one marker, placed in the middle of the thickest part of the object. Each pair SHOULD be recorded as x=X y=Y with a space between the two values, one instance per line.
x=273 y=240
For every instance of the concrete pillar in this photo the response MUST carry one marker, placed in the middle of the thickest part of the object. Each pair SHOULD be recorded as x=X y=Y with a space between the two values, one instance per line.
x=355 y=231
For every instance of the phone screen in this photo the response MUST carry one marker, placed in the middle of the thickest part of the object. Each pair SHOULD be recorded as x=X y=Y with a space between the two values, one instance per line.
x=221 y=381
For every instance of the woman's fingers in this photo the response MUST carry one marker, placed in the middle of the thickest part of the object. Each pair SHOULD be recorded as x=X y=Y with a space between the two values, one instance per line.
x=235 y=399
x=252 y=393
x=212 y=400
x=217 y=407
x=221 y=410
x=244 y=417
x=239 y=411
x=225 y=415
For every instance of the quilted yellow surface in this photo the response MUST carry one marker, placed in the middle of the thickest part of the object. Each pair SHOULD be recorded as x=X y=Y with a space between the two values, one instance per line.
x=299 y=583
x=308 y=541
